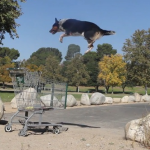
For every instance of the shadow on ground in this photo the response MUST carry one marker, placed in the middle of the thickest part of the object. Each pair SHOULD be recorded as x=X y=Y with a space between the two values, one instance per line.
x=3 y=122
x=79 y=125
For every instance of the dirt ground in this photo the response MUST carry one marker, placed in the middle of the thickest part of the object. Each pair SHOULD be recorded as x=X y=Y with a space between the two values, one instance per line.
x=76 y=138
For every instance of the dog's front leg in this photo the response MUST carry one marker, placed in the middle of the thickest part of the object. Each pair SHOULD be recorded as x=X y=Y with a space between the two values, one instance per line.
x=61 y=37
x=89 y=50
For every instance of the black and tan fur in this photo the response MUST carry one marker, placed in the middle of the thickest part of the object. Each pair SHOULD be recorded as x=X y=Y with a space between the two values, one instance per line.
x=72 y=27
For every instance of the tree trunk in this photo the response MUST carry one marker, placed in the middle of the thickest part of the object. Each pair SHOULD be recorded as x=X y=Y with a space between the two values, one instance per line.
x=3 y=85
x=146 y=89
x=123 y=89
x=112 y=92
x=106 y=89
x=96 y=88
x=77 y=88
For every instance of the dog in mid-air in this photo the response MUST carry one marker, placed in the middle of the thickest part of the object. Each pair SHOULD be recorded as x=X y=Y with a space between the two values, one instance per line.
x=72 y=27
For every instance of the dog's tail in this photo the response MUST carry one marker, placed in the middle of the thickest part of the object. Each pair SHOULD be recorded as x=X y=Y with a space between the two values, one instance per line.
x=106 y=32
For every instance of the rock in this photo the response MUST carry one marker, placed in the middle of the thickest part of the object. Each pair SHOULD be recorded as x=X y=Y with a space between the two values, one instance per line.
x=131 y=99
x=97 y=98
x=116 y=100
x=71 y=101
x=124 y=99
x=85 y=99
x=108 y=100
x=1 y=109
x=46 y=101
x=24 y=98
x=138 y=130
x=145 y=98
x=78 y=103
x=137 y=97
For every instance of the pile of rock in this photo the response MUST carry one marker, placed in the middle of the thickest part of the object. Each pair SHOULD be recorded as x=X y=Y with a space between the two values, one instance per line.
x=95 y=99
x=70 y=102
x=98 y=99
x=1 y=109
x=135 y=98
x=46 y=100
x=31 y=94
x=139 y=130
x=24 y=96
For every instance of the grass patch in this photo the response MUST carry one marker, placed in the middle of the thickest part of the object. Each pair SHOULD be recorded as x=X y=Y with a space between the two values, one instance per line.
x=118 y=93
x=7 y=96
x=117 y=90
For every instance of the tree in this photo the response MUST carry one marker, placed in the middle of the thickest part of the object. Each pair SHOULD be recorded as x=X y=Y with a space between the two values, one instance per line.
x=137 y=55
x=112 y=71
x=10 y=10
x=52 y=69
x=39 y=57
x=12 y=53
x=32 y=67
x=90 y=60
x=4 y=73
x=105 y=50
x=76 y=73
x=72 y=51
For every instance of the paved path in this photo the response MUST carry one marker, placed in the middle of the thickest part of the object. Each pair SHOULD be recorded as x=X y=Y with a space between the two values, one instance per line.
x=111 y=116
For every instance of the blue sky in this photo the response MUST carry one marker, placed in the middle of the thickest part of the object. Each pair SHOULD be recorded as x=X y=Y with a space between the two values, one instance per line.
x=122 y=16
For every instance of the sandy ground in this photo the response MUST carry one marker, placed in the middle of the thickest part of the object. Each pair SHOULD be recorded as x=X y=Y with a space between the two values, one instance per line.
x=76 y=138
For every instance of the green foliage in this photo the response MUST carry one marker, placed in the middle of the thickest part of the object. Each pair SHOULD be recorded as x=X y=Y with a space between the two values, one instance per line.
x=52 y=69
x=4 y=73
x=39 y=57
x=72 y=51
x=90 y=60
x=137 y=55
x=9 y=12
x=105 y=50
x=32 y=67
x=13 y=54
x=112 y=70
x=6 y=57
x=76 y=72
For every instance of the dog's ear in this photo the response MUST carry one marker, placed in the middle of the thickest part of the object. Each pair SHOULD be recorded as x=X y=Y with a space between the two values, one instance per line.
x=56 y=20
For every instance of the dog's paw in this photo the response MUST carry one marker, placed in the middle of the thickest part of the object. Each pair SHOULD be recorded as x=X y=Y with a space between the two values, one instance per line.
x=61 y=40
x=86 y=51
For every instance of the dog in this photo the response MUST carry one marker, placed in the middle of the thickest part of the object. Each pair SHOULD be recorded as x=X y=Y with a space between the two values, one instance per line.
x=72 y=27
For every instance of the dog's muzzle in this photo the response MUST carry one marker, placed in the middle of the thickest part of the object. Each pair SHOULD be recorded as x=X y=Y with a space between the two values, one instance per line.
x=53 y=31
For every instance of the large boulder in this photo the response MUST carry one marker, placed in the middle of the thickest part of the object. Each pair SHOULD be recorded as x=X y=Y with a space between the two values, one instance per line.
x=27 y=97
x=46 y=101
x=85 y=99
x=1 y=109
x=108 y=100
x=116 y=100
x=138 y=130
x=131 y=99
x=146 y=98
x=97 y=98
x=125 y=99
x=70 y=102
x=138 y=97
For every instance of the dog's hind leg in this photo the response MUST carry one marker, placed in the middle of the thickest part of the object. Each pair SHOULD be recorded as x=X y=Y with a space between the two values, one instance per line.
x=63 y=35
x=90 y=45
